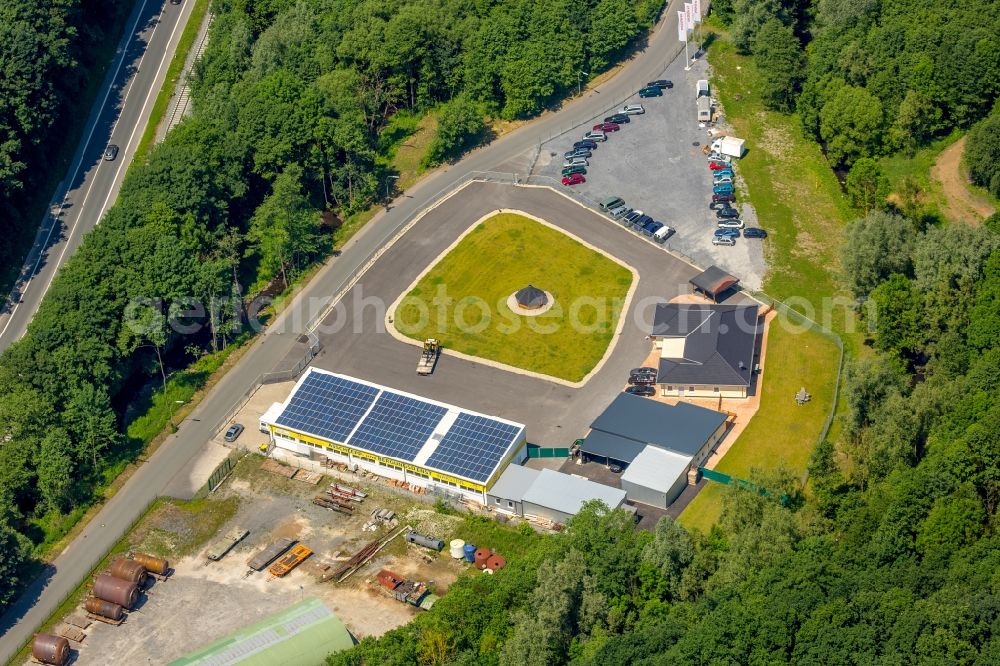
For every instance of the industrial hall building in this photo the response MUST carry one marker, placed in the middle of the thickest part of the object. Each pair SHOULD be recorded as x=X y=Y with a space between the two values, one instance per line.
x=395 y=434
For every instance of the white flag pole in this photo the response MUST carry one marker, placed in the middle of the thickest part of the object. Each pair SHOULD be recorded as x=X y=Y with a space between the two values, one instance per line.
x=682 y=34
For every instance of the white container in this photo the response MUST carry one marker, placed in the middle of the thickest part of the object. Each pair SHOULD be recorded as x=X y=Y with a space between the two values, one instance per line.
x=457 y=549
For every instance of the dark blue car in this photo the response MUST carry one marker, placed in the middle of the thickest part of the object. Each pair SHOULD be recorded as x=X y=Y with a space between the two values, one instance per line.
x=651 y=228
x=731 y=233
x=754 y=232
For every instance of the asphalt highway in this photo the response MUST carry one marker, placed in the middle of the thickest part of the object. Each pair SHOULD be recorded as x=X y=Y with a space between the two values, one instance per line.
x=119 y=116
x=152 y=477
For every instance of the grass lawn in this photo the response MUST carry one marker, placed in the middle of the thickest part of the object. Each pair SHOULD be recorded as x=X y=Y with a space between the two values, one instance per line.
x=781 y=434
x=463 y=298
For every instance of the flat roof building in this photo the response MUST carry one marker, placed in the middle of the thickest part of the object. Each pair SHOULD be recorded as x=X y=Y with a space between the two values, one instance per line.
x=394 y=434
x=656 y=476
x=548 y=494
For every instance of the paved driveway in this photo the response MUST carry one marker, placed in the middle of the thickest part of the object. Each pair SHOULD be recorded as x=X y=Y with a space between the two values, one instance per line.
x=655 y=163
x=355 y=342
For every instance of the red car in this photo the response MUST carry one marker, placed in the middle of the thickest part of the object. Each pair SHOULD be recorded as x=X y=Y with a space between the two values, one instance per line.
x=607 y=127
x=715 y=166
x=573 y=179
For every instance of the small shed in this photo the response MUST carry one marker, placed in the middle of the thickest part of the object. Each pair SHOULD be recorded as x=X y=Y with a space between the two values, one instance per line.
x=713 y=282
x=558 y=497
x=656 y=477
x=531 y=298
x=508 y=492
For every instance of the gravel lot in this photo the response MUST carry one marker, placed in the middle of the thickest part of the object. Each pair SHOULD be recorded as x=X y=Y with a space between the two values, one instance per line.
x=655 y=163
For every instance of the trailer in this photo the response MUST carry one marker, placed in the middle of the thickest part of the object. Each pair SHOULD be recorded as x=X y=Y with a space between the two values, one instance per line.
x=294 y=558
x=264 y=557
x=729 y=146
x=701 y=88
x=347 y=490
x=219 y=549
x=428 y=356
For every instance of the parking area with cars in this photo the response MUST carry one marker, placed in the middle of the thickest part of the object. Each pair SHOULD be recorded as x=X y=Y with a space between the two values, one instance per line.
x=654 y=162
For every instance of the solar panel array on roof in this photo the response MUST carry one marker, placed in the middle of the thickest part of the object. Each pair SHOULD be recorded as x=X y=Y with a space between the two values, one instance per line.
x=327 y=405
x=473 y=446
x=397 y=426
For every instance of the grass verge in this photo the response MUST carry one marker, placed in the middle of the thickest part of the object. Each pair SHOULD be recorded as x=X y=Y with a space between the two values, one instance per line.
x=781 y=433
x=172 y=79
x=500 y=256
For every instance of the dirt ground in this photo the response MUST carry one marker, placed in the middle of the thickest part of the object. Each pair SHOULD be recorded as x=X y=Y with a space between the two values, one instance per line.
x=962 y=203
x=204 y=601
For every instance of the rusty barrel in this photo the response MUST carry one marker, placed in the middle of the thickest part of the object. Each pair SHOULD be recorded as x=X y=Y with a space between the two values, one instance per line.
x=496 y=562
x=480 y=557
x=107 y=609
x=129 y=570
x=152 y=563
x=50 y=649
x=116 y=590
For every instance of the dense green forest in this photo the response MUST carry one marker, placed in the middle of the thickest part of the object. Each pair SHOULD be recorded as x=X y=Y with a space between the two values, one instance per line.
x=294 y=114
x=48 y=48
x=893 y=559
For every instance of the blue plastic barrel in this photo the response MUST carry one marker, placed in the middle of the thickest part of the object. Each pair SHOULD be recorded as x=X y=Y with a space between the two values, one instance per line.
x=470 y=553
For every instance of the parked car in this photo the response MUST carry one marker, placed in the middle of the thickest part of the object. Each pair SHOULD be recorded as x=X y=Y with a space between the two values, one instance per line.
x=575 y=162
x=621 y=211
x=722 y=188
x=569 y=171
x=615 y=469
x=653 y=91
x=754 y=232
x=641 y=221
x=586 y=143
x=594 y=135
x=727 y=233
x=723 y=172
x=633 y=109
x=722 y=198
x=577 y=152
x=573 y=179
x=233 y=432
x=632 y=217
x=618 y=119
x=660 y=83
x=641 y=380
x=612 y=202
x=727 y=212
x=663 y=234
x=651 y=228
x=731 y=224
x=715 y=166
x=722 y=180
x=607 y=127
x=718 y=157
x=723 y=240
x=644 y=391
x=645 y=370
x=111 y=152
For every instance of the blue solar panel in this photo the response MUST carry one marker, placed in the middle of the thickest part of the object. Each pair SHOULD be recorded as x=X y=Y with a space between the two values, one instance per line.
x=397 y=426
x=473 y=446
x=327 y=406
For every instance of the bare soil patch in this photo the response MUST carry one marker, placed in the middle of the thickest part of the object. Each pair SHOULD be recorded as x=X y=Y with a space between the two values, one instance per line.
x=962 y=203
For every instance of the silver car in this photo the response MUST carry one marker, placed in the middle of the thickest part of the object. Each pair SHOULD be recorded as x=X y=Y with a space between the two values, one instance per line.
x=633 y=109
x=723 y=240
x=615 y=213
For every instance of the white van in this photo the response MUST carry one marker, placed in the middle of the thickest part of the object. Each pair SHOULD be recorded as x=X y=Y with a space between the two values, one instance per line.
x=662 y=233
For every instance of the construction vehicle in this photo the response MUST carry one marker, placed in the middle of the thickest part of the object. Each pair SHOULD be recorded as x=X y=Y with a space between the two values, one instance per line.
x=294 y=558
x=410 y=592
x=428 y=357
x=219 y=549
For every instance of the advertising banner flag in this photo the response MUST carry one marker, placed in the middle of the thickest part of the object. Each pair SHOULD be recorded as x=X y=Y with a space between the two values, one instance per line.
x=682 y=33
x=689 y=16
x=697 y=10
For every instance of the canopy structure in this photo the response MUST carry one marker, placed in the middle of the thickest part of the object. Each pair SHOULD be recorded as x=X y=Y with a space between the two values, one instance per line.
x=713 y=282
x=531 y=298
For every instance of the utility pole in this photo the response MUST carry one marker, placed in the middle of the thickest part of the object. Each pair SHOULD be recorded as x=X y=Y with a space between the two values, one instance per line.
x=387 y=181
x=579 y=81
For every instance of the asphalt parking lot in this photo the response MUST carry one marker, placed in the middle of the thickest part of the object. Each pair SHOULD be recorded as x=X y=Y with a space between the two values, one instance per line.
x=656 y=165
x=355 y=341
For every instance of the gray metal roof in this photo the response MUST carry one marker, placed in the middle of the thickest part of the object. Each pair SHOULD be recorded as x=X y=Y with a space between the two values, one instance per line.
x=530 y=296
x=656 y=468
x=566 y=493
x=514 y=482
x=604 y=444
x=682 y=428
x=719 y=343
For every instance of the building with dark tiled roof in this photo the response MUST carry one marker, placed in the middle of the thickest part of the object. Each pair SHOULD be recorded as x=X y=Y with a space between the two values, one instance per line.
x=706 y=350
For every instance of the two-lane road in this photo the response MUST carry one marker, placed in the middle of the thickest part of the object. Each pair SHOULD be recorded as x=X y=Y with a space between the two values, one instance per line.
x=119 y=116
x=150 y=480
